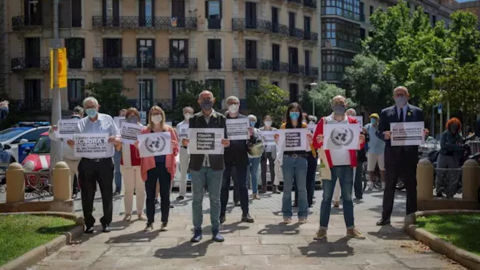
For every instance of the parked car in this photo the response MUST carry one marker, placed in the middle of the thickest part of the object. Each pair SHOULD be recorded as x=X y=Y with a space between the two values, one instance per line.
x=37 y=160
x=16 y=139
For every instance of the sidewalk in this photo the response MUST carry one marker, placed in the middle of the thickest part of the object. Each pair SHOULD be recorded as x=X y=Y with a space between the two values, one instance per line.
x=264 y=244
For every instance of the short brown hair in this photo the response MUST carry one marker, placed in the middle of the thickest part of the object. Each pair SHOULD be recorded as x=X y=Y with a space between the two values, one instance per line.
x=132 y=110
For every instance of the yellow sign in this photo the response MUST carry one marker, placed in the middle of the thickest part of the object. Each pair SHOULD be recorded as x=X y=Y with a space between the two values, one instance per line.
x=61 y=66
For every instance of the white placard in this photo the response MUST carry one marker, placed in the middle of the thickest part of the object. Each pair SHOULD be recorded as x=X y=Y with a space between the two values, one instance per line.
x=154 y=144
x=130 y=132
x=143 y=118
x=237 y=129
x=119 y=120
x=341 y=136
x=268 y=137
x=311 y=128
x=407 y=133
x=360 y=121
x=294 y=139
x=92 y=145
x=206 y=141
x=66 y=128
x=183 y=130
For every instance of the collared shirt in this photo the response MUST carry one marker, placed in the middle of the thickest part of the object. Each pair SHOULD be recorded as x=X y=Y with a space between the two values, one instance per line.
x=206 y=161
x=405 y=109
x=103 y=124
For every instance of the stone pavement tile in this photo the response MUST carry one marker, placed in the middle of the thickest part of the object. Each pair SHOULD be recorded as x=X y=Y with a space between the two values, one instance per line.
x=358 y=259
x=85 y=254
x=282 y=239
x=131 y=251
x=303 y=267
x=246 y=260
x=292 y=260
x=384 y=267
x=424 y=262
x=221 y=250
x=265 y=250
x=311 y=250
x=61 y=265
x=155 y=262
x=241 y=240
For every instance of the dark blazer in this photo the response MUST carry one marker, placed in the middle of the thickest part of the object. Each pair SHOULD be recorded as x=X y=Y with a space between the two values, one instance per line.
x=399 y=154
x=217 y=120
x=236 y=153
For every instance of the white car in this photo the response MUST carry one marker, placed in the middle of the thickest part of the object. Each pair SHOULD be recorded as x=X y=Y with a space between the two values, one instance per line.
x=16 y=139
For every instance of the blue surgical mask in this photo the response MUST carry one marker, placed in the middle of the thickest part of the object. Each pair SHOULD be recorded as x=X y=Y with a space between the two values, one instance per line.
x=294 y=115
x=401 y=101
x=91 y=112
x=373 y=121
x=252 y=123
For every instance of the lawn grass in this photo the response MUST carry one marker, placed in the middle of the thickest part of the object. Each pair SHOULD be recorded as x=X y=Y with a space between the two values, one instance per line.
x=21 y=233
x=461 y=230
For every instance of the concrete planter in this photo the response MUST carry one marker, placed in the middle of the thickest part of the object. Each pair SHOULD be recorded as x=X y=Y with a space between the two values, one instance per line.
x=465 y=258
x=39 y=253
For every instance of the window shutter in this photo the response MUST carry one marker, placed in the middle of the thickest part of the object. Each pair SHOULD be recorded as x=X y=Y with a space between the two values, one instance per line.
x=67 y=47
x=222 y=89
x=83 y=47
x=120 y=51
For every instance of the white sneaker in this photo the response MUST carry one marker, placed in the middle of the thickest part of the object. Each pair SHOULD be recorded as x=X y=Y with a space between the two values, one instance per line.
x=370 y=185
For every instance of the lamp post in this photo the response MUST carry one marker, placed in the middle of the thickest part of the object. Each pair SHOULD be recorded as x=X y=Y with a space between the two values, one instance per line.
x=312 y=85
x=56 y=147
x=142 y=59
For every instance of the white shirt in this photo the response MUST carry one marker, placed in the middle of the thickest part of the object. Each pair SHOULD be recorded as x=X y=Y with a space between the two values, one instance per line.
x=103 y=124
x=339 y=157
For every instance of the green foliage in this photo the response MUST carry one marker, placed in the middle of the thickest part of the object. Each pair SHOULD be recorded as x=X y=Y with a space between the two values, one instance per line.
x=189 y=97
x=266 y=99
x=464 y=38
x=109 y=94
x=322 y=96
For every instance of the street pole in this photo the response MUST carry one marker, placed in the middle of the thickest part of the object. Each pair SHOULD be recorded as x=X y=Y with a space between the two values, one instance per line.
x=56 y=147
x=448 y=110
x=141 y=84
x=312 y=86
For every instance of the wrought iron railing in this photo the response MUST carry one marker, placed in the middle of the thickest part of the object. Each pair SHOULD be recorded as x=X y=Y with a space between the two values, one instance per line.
x=299 y=2
x=32 y=104
x=172 y=63
x=296 y=33
x=130 y=63
x=251 y=64
x=214 y=63
x=310 y=36
x=280 y=29
x=75 y=63
x=108 y=63
x=139 y=22
x=311 y=71
x=294 y=69
x=310 y=3
x=240 y=24
x=280 y=67
x=21 y=63
x=166 y=104
x=21 y=22
x=214 y=23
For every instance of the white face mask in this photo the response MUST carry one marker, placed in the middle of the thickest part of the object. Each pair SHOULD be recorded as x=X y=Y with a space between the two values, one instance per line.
x=268 y=123
x=188 y=116
x=156 y=119
x=233 y=108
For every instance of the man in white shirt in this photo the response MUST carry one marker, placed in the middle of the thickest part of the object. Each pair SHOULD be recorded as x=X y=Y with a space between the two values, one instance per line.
x=184 y=156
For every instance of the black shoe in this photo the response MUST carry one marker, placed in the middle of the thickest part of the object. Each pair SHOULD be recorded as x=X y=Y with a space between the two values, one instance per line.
x=89 y=230
x=439 y=195
x=383 y=222
x=156 y=201
x=247 y=218
x=106 y=228
x=263 y=190
x=295 y=205
x=171 y=206
x=222 y=219
x=116 y=193
x=197 y=236
x=216 y=236
x=180 y=198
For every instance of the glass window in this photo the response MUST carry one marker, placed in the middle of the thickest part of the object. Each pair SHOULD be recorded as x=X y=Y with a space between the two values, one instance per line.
x=214 y=9
x=31 y=136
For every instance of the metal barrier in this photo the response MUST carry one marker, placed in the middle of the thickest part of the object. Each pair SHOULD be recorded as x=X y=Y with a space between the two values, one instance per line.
x=474 y=146
x=38 y=185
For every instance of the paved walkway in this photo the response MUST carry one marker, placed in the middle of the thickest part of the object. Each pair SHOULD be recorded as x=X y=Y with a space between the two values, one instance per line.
x=264 y=244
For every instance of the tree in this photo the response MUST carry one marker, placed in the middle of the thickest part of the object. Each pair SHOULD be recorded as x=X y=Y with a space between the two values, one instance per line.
x=463 y=37
x=266 y=99
x=109 y=94
x=189 y=97
x=322 y=95
x=369 y=82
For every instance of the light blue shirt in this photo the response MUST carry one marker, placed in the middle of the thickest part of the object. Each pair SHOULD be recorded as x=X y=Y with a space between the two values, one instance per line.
x=375 y=145
x=104 y=124
x=405 y=109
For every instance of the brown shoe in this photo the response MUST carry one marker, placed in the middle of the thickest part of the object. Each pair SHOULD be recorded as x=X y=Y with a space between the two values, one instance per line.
x=263 y=190
x=321 y=233
x=354 y=233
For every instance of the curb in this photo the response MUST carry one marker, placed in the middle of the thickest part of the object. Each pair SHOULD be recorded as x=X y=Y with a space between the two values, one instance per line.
x=463 y=257
x=39 y=253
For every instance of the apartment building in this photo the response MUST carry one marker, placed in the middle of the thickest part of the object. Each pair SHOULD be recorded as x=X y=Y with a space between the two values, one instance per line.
x=228 y=44
x=345 y=23
x=468 y=6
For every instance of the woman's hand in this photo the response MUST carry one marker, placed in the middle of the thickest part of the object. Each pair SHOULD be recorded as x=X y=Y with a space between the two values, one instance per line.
x=185 y=142
x=320 y=138
x=361 y=140
x=276 y=137
x=54 y=128
x=71 y=143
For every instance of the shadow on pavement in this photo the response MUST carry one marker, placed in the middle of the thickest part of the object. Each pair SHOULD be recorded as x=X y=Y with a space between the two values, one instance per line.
x=184 y=250
x=323 y=248
x=291 y=229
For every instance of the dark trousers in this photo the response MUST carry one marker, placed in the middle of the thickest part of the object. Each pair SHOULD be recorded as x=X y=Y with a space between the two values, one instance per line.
x=75 y=185
x=160 y=174
x=240 y=183
x=268 y=156
x=358 y=184
x=91 y=171
x=392 y=174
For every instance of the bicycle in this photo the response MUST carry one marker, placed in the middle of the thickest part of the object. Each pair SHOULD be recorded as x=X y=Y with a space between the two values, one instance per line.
x=377 y=182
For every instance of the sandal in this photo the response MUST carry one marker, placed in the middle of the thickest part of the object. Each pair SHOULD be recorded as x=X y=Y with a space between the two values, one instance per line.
x=127 y=217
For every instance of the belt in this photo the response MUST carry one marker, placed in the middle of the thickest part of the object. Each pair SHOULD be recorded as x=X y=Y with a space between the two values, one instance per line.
x=96 y=159
x=184 y=147
x=296 y=155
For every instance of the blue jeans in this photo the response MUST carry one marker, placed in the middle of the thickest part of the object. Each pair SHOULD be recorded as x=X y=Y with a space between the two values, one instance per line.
x=345 y=176
x=118 y=175
x=213 y=179
x=253 y=171
x=294 y=167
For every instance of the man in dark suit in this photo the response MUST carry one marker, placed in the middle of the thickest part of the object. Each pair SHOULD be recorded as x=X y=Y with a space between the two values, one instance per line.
x=399 y=159
x=236 y=157
x=206 y=169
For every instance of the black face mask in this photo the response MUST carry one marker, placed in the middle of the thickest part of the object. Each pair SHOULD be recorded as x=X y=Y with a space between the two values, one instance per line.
x=453 y=128
x=206 y=104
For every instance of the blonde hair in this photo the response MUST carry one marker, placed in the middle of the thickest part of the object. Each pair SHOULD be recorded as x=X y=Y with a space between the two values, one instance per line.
x=150 y=123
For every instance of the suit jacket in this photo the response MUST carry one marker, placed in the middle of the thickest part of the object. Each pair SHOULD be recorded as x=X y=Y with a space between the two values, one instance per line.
x=237 y=153
x=399 y=154
x=217 y=120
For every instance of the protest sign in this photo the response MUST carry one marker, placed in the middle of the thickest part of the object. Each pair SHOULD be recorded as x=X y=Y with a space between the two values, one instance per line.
x=92 y=145
x=205 y=141
x=182 y=130
x=154 y=144
x=341 y=136
x=268 y=137
x=359 y=121
x=66 y=128
x=407 y=133
x=295 y=139
x=312 y=127
x=129 y=132
x=119 y=120
x=237 y=129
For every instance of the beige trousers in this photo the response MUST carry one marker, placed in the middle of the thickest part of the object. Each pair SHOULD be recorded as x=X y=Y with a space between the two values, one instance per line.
x=132 y=180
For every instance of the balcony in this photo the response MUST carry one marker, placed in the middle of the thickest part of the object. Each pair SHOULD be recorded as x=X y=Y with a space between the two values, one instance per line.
x=37 y=105
x=280 y=29
x=294 y=69
x=280 y=67
x=133 y=63
x=310 y=4
x=75 y=63
x=296 y=33
x=241 y=24
x=175 y=64
x=243 y=64
x=310 y=37
x=311 y=72
x=137 y=22
x=39 y=63
x=214 y=23
x=214 y=63
x=108 y=63
x=295 y=2
x=25 y=22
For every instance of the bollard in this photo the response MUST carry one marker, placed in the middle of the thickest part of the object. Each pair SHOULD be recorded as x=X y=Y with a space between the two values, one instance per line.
x=424 y=180
x=470 y=178
x=62 y=183
x=15 y=183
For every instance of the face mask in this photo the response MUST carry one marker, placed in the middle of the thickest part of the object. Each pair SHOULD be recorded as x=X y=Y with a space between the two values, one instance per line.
x=401 y=101
x=188 y=116
x=268 y=123
x=156 y=119
x=233 y=108
x=91 y=112
x=294 y=115
x=453 y=128
x=252 y=123
x=338 y=109
x=206 y=104
x=132 y=120
x=373 y=121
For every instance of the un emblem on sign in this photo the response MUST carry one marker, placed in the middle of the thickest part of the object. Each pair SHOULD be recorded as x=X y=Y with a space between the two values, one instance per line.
x=156 y=145
x=342 y=136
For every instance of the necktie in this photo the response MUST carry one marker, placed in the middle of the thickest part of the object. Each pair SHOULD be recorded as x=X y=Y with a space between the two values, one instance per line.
x=401 y=115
